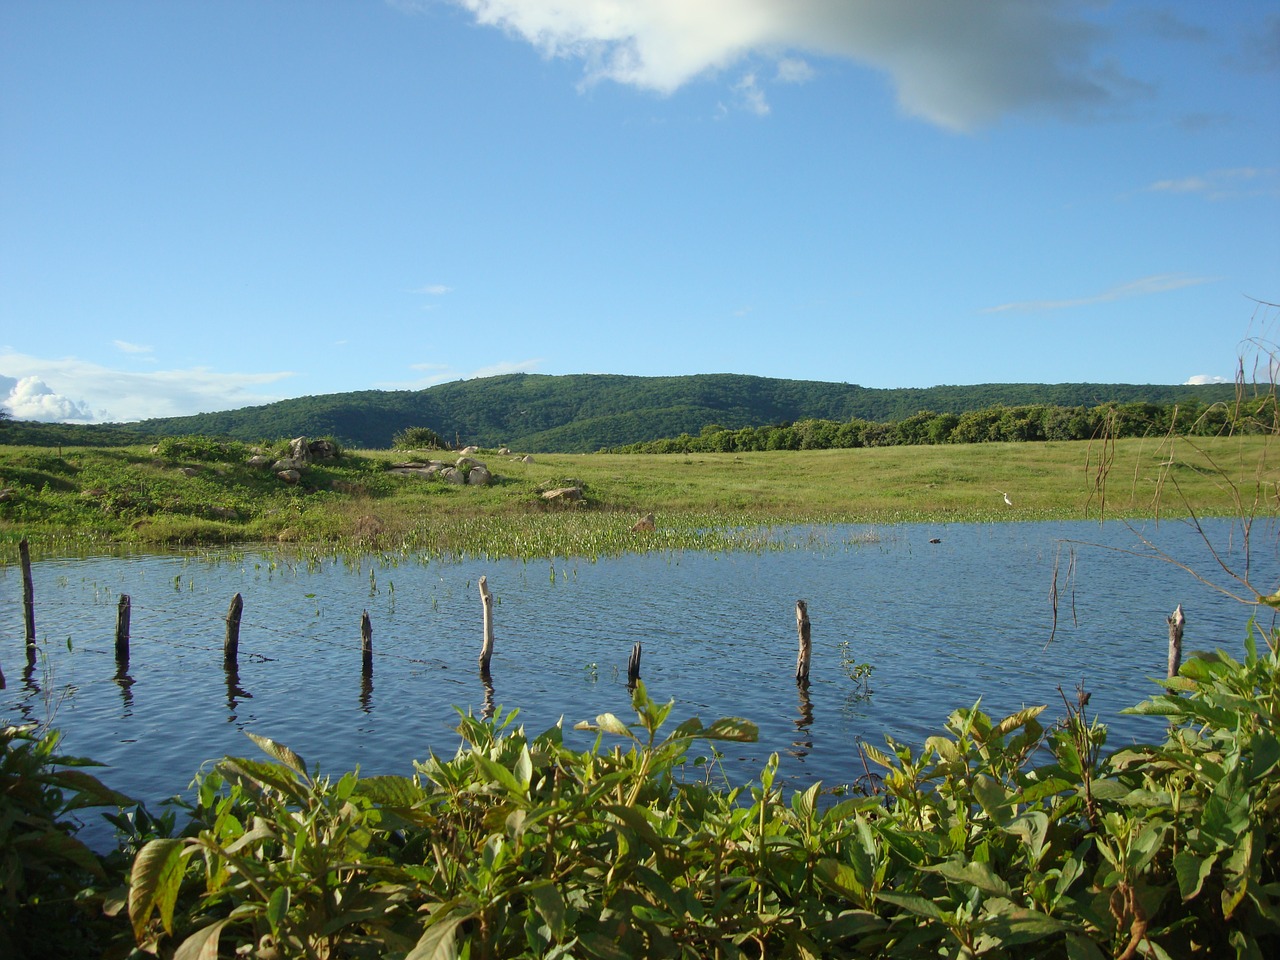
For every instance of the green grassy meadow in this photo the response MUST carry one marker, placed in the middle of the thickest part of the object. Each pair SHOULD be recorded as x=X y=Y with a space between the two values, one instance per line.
x=190 y=494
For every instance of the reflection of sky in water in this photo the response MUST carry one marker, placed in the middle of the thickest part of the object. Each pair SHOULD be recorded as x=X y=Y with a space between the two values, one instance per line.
x=943 y=624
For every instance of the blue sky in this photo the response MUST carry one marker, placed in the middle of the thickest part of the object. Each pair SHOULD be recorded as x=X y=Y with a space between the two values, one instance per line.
x=207 y=205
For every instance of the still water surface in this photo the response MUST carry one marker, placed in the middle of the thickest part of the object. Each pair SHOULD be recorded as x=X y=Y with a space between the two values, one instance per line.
x=942 y=624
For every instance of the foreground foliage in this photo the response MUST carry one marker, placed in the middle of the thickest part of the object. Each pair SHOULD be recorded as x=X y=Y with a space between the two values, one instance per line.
x=996 y=837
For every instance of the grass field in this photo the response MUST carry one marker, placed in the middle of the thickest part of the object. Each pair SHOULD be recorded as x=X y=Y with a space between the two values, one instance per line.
x=88 y=499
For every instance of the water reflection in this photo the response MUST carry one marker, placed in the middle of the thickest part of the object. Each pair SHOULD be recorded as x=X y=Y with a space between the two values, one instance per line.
x=490 y=700
x=804 y=741
x=366 y=692
x=235 y=693
x=125 y=682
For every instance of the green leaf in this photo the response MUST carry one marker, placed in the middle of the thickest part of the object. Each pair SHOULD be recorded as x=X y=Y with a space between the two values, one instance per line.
x=280 y=752
x=973 y=874
x=913 y=904
x=278 y=907
x=732 y=728
x=608 y=723
x=994 y=798
x=550 y=906
x=391 y=791
x=154 y=883
x=499 y=774
x=1191 y=871
x=438 y=941
x=203 y=944
x=1016 y=720
x=840 y=879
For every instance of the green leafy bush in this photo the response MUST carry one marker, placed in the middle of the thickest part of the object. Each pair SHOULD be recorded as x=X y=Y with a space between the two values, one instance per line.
x=418 y=438
x=202 y=449
x=51 y=899
x=1000 y=838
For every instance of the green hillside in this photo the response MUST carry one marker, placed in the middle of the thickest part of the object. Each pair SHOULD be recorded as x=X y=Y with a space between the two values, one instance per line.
x=589 y=412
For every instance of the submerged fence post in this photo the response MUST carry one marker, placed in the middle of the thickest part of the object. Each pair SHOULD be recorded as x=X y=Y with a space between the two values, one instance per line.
x=486 y=647
x=1176 y=622
x=366 y=645
x=633 y=667
x=124 y=610
x=28 y=593
x=231 y=644
x=806 y=645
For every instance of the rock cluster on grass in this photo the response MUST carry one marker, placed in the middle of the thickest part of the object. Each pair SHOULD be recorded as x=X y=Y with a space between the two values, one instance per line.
x=467 y=470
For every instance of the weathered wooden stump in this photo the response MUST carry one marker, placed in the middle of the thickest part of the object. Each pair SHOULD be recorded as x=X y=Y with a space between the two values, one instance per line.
x=366 y=645
x=805 y=653
x=231 y=643
x=124 y=611
x=1177 y=621
x=633 y=667
x=486 y=646
x=28 y=593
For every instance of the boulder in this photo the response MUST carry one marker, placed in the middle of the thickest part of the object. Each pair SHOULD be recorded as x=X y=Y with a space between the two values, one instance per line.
x=289 y=476
x=467 y=451
x=299 y=450
x=288 y=463
x=189 y=472
x=453 y=475
x=645 y=523
x=563 y=495
x=479 y=476
x=259 y=462
x=527 y=458
x=322 y=450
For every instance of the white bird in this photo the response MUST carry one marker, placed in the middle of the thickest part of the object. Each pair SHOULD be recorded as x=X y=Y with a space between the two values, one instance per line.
x=1006 y=497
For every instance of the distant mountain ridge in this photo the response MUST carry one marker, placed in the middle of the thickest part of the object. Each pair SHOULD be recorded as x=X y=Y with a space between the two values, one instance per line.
x=578 y=413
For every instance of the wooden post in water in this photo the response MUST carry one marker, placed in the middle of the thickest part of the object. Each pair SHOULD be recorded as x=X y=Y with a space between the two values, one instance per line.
x=1176 y=622
x=366 y=645
x=28 y=593
x=806 y=644
x=633 y=667
x=124 y=610
x=231 y=644
x=486 y=647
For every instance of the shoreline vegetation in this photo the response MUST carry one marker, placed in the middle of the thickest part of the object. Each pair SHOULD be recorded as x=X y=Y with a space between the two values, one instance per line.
x=197 y=491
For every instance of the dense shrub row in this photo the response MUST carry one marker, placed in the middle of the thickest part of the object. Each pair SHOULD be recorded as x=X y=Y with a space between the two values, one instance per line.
x=991 y=424
x=1001 y=838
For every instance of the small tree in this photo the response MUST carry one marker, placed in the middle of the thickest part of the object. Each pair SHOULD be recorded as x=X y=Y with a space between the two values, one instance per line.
x=417 y=438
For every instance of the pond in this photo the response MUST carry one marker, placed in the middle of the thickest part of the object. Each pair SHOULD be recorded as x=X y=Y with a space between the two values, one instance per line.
x=941 y=623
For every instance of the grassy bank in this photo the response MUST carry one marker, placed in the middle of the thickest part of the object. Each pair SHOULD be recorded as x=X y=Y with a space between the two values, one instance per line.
x=202 y=492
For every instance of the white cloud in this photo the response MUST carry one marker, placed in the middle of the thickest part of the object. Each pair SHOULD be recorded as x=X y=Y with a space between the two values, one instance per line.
x=125 y=347
x=30 y=398
x=435 y=289
x=751 y=95
x=1161 y=283
x=104 y=394
x=1202 y=378
x=959 y=64
x=1225 y=184
x=791 y=70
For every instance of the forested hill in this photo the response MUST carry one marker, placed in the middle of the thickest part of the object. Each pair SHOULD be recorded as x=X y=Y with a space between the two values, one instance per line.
x=588 y=412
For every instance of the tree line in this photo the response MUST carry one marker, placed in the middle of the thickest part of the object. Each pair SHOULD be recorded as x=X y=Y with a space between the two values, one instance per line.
x=994 y=424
